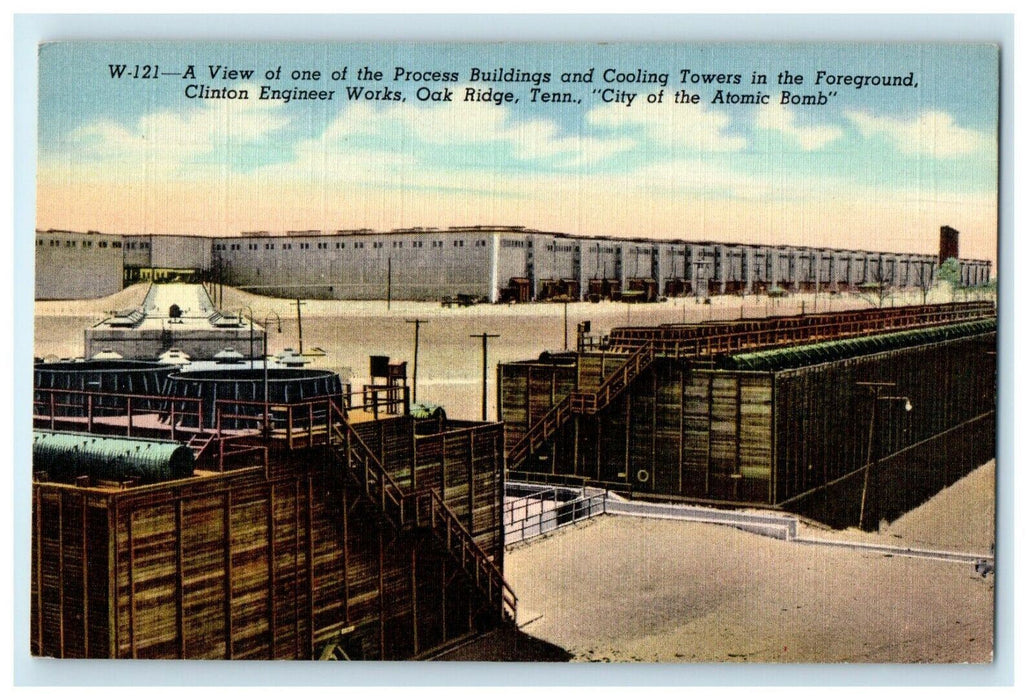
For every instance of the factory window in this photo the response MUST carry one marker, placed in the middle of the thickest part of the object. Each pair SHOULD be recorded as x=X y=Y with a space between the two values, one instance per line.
x=145 y=245
x=87 y=244
x=70 y=244
x=102 y=244
x=303 y=246
x=39 y=241
x=269 y=246
x=117 y=244
x=418 y=244
x=285 y=246
x=321 y=246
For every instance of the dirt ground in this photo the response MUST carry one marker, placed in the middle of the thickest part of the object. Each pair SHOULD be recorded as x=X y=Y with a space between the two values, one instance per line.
x=449 y=359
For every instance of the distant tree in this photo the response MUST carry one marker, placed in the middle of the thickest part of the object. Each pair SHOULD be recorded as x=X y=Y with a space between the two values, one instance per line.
x=950 y=272
x=925 y=282
x=879 y=289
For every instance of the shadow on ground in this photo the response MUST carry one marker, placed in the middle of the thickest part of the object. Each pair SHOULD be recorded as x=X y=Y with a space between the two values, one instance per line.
x=507 y=644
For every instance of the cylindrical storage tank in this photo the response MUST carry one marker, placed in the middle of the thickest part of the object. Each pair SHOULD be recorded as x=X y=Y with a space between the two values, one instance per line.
x=247 y=388
x=97 y=376
x=64 y=456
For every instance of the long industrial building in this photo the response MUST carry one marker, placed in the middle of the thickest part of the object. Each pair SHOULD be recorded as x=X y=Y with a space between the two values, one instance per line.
x=804 y=413
x=491 y=263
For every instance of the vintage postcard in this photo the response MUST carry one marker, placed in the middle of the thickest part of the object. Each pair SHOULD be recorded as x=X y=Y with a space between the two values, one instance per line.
x=637 y=352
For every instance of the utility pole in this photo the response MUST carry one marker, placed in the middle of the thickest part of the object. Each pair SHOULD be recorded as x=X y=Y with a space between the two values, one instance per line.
x=876 y=390
x=485 y=370
x=566 y=324
x=416 y=342
x=390 y=308
x=298 y=312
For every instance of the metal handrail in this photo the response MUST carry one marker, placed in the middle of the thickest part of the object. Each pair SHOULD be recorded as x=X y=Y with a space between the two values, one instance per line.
x=543 y=428
x=388 y=490
x=722 y=340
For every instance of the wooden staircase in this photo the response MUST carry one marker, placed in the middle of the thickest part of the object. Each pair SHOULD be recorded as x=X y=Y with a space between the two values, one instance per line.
x=580 y=402
x=407 y=511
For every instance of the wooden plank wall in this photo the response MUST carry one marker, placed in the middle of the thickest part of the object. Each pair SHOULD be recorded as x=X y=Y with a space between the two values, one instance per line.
x=526 y=391
x=709 y=435
x=243 y=566
x=822 y=423
x=69 y=597
x=595 y=367
x=677 y=431
x=465 y=465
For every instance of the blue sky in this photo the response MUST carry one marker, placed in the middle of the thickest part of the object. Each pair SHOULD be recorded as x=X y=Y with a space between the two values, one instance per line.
x=888 y=162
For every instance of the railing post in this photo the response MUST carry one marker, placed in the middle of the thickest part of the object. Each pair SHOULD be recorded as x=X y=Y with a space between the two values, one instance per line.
x=172 y=419
x=310 y=423
x=89 y=413
x=129 y=415
x=290 y=424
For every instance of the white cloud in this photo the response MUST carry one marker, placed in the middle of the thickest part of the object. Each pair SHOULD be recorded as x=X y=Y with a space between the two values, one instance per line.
x=677 y=128
x=459 y=123
x=934 y=134
x=169 y=140
x=779 y=118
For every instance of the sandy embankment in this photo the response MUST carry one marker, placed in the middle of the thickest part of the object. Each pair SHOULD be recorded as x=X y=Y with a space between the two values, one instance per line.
x=689 y=592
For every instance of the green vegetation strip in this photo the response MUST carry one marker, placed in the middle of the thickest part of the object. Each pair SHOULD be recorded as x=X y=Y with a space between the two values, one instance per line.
x=831 y=350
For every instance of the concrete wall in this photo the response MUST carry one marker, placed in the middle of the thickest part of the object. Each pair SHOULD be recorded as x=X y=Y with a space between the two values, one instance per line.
x=72 y=265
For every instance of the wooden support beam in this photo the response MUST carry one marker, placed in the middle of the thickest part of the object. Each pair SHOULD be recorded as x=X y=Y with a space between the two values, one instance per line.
x=228 y=584
x=84 y=559
x=311 y=578
x=61 y=577
x=132 y=596
x=413 y=597
x=180 y=633
x=271 y=569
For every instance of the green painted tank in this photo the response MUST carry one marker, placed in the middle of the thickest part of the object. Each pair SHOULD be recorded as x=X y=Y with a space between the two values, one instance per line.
x=64 y=456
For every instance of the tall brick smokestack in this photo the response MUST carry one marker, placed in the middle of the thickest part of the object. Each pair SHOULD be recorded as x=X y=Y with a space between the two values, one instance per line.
x=948 y=244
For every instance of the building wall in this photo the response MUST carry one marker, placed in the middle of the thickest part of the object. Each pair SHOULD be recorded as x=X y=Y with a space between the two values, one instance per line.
x=72 y=265
x=431 y=263
x=424 y=266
